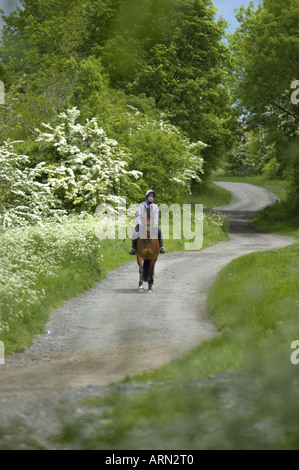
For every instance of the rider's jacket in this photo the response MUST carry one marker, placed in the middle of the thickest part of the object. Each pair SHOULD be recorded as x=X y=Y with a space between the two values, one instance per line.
x=141 y=213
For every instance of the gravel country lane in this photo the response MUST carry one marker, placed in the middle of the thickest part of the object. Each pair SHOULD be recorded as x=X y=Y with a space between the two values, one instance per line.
x=112 y=331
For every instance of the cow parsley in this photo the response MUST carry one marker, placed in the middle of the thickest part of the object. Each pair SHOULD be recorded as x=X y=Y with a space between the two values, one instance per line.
x=30 y=253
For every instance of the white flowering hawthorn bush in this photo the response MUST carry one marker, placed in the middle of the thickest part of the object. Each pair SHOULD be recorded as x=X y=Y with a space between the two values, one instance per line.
x=28 y=254
x=24 y=199
x=92 y=168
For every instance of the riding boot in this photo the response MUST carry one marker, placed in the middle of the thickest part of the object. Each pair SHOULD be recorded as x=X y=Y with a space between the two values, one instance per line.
x=134 y=248
x=162 y=249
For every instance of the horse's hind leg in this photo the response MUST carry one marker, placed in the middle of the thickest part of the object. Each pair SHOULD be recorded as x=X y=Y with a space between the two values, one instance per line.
x=140 y=288
x=152 y=272
x=151 y=279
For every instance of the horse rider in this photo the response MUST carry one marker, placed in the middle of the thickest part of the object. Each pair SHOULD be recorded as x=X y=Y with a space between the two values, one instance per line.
x=147 y=204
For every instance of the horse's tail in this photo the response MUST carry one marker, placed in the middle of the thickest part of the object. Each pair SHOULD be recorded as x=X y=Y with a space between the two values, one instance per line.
x=146 y=269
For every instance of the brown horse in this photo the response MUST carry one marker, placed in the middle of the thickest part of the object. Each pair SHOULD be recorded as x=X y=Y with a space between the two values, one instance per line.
x=147 y=254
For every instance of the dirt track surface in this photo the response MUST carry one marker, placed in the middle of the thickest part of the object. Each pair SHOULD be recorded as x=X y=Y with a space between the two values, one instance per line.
x=113 y=331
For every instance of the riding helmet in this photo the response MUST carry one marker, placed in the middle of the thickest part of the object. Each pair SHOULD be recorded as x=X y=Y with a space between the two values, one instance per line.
x=150 y=191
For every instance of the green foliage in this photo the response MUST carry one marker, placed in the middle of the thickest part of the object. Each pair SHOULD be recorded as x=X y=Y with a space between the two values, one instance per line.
x=38 y=44
x=42 y=35
x=265 y=52
x=168 y=161
x=255 y=154
x=209 y=194
x=99 y=55
x=265 y=48
x=281 y=217
x=171 y=51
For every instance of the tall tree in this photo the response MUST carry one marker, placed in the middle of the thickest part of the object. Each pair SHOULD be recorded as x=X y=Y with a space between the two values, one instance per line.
x=266 y=60
x=41 y=35
x=266 y=55
x=38 y=48
x=171 y=50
